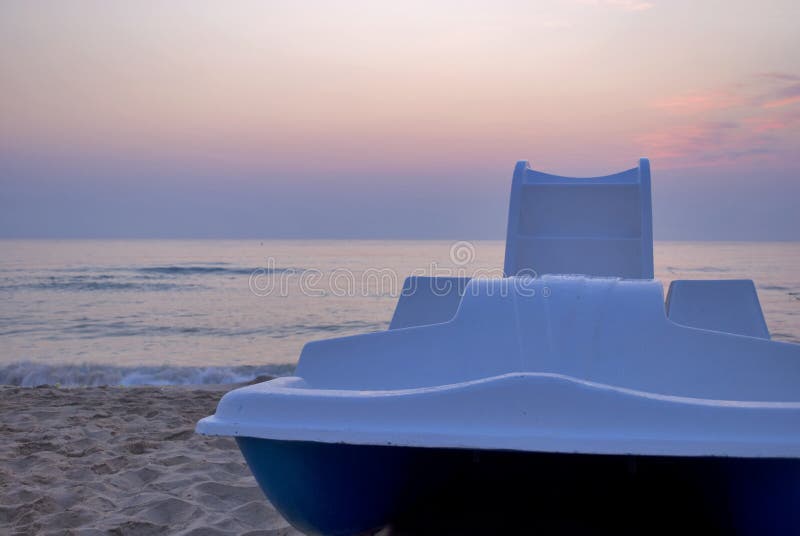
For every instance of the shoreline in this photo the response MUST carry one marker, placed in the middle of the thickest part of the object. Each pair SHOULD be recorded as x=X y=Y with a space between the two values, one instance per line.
x=21 y=373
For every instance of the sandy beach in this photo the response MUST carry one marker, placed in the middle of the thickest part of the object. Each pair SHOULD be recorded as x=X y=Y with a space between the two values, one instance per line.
x=123 y=461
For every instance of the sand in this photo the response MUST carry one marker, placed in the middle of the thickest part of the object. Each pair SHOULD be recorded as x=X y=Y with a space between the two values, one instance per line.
x=123 y=461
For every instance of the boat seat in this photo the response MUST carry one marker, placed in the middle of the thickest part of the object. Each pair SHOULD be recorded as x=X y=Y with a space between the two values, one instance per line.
x=730 y=306
x=590 y=226
x=428 y=300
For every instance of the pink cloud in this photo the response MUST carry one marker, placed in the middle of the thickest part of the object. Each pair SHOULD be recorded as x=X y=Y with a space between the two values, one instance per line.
x=766 y=125
x=735 y=124
x=699 y=102
x=685 y=141
x=777 y=103
x=784 y=97
x=761 y=124
x=712 y=144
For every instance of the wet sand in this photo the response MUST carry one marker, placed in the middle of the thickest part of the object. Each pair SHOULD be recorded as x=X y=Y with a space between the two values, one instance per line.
x=123 y=461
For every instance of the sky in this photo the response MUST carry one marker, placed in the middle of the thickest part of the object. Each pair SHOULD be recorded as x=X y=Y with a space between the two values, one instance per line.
x=312 y=119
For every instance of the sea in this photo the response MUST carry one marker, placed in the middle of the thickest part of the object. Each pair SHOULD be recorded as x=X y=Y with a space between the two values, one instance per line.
x=181 y=312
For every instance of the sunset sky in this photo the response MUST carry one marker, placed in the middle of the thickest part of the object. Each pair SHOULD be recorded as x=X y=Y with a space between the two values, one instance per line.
x=381 y=120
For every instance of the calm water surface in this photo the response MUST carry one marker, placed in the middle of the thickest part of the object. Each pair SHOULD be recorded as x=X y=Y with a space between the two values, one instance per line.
x=147 y=311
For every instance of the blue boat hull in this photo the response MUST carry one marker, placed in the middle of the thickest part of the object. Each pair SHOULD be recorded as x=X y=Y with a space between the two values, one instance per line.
x=325 y=488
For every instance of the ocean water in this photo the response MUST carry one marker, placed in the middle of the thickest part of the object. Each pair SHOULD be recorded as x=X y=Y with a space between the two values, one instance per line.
x=91 y=312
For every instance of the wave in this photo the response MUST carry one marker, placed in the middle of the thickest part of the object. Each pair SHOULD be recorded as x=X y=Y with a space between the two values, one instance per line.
x=31 y=374
x=773 y=287
x=87 y=328
x=97 y=283
x=699 y=269
x=206 y=269
x=144 y=278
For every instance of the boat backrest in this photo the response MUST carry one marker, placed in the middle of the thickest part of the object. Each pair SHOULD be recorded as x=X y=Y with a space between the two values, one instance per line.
x=598 y=226
x=727 y=305
x=428 y=300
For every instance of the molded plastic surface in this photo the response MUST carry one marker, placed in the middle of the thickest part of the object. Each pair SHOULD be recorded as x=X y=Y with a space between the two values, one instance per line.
x=556 y=364
x=721 y=305
x=591 y=226
x=337 y=488
x=428 y=300
x=573 y=364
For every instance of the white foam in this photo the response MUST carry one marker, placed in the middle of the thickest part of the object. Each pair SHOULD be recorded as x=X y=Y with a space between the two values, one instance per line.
x=31 y=374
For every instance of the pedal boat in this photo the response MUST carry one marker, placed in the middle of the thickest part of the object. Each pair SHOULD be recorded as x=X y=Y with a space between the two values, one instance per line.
x=566 y=397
